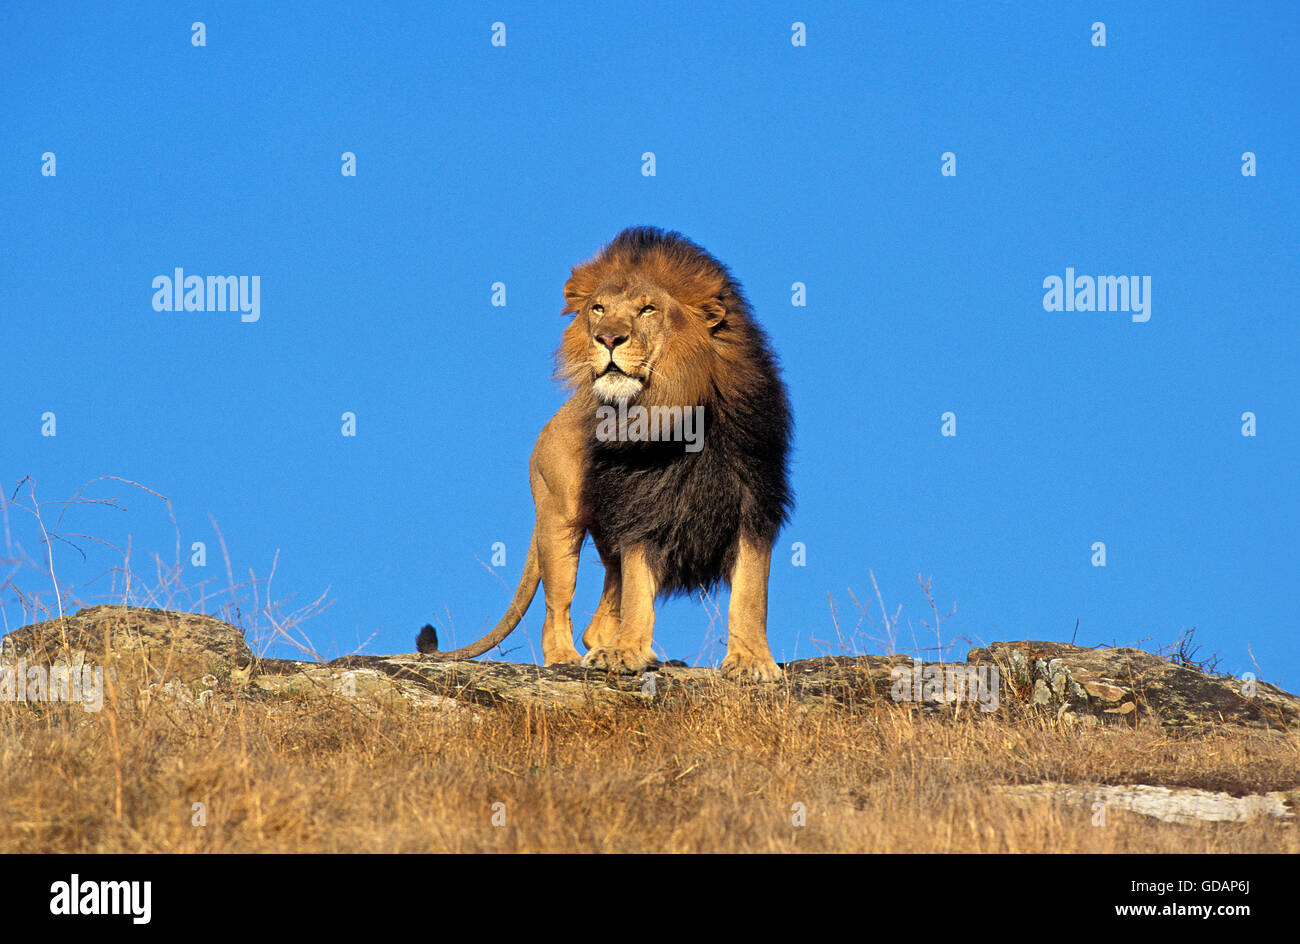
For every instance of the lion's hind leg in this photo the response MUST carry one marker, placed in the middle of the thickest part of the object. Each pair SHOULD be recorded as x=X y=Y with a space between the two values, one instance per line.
x=628 y=649
x=554 y=474
x=558 y=556
x=604 y=623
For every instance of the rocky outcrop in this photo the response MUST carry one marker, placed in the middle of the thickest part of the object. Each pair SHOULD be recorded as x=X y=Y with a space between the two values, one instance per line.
x=1111 y=684
x=142 y=650
x=199 y=657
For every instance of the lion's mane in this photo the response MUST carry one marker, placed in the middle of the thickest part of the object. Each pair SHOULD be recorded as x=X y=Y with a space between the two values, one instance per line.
x=687 y=508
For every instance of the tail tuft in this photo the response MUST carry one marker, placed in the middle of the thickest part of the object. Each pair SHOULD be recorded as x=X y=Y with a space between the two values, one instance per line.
x=427 y=641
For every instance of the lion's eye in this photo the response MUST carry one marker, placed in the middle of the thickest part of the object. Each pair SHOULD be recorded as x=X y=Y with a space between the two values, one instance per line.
x=648 y=310
x=597 y=309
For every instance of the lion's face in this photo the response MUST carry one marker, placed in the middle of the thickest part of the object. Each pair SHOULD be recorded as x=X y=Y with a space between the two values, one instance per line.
x=633 y=341
x=626 y=331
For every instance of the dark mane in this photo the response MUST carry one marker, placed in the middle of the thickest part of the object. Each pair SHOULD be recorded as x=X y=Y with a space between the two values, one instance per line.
x=688 y=508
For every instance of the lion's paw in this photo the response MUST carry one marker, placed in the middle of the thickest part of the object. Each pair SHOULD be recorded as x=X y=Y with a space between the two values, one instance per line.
x=569 y=657
x=750 y=669
x=614 y=659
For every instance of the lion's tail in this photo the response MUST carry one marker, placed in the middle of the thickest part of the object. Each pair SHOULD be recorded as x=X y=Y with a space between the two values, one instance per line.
x=427 y=641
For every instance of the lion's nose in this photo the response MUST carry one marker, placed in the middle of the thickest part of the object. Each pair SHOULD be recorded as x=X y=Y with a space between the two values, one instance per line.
x=611 y=341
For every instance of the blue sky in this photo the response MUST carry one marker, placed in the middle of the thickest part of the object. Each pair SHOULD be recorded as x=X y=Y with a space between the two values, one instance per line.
x=818 y=164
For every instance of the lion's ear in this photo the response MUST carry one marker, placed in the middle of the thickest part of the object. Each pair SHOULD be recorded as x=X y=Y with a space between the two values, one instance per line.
x=714 y=311
x=574 y=295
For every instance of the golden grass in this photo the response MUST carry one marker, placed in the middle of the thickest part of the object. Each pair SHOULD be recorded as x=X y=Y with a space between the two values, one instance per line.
x=722 y=775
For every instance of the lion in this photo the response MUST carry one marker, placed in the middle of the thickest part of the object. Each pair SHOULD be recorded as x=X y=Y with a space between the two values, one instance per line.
x=660 y=329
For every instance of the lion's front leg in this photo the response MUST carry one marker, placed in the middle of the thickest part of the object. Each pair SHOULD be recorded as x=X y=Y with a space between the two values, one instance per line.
x=628 y=648
x=748 y=654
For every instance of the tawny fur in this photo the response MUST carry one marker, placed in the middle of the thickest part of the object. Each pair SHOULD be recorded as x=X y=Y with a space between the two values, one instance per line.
x=661 y=323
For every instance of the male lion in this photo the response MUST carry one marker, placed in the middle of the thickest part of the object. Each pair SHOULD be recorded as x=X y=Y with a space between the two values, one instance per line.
x=659 y=323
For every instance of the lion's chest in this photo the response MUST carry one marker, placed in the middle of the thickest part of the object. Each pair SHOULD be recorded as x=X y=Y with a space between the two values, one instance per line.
x=684 y=508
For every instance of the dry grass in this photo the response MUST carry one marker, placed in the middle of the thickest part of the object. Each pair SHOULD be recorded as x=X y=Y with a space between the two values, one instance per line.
x=719 y=776
x=723 y=775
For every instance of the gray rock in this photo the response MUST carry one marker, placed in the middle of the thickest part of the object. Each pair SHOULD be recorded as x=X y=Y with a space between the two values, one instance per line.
x=1184 y=805
x=143 y=649
x=188 y=656
x=1134 y=686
